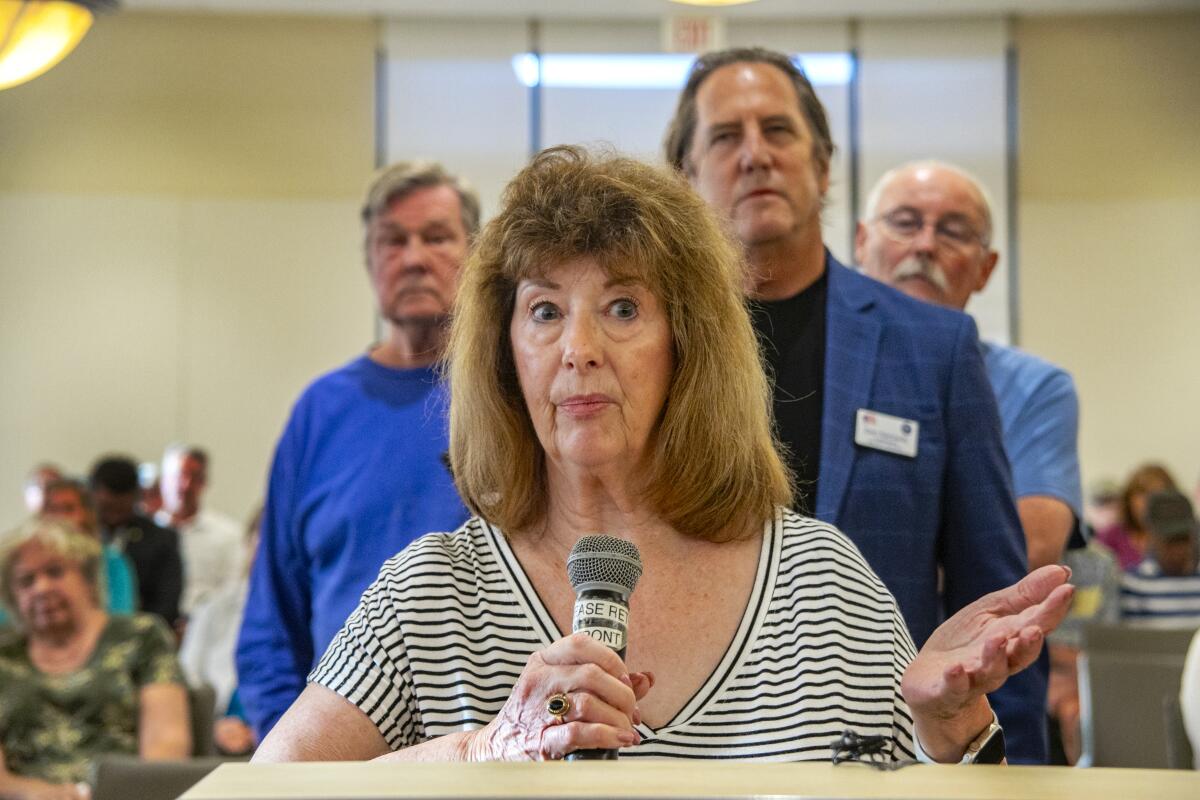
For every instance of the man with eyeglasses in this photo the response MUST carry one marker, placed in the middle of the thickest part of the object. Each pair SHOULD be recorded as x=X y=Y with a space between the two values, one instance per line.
x=928 y=233
x=881 y=401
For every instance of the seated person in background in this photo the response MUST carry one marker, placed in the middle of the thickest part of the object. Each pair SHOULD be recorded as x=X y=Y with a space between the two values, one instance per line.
x=153 y=551
x=209 y=541
x=207 y=651
x=68 y=500
x=35 y=485
x=1128 y=538
x=1164 y=590
x=74 y=681
x=604 y=376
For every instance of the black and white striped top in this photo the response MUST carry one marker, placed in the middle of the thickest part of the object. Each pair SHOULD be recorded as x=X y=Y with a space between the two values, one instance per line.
x=438 y=641
x=1154 y=600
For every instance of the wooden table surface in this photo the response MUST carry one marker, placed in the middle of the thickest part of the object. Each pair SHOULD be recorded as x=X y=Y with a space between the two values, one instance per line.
x=677 y=779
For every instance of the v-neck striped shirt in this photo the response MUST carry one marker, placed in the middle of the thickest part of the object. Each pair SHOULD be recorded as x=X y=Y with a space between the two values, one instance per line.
x=439 y=640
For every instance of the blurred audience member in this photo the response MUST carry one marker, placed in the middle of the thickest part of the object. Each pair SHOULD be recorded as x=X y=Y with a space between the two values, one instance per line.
x=153 y=550
x=928 y=233
x=75 y=682
x=35 y=485
x=207 y=652
x=1127 y=539
x=360 y=469
x=150 y=501
x=1189 y=697
x=211 y=542
x=69 y=500
x=1164 y=589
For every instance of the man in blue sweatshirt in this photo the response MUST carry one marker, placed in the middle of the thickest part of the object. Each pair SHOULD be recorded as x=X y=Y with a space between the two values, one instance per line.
x=360 y=469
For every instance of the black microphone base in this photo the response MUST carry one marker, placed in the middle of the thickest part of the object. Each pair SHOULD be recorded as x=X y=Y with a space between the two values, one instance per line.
x=592 y=755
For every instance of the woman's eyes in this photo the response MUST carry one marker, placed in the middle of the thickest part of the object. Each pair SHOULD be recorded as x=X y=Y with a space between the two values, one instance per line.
x=544 y=311
x=623 y=309
x=26 y=580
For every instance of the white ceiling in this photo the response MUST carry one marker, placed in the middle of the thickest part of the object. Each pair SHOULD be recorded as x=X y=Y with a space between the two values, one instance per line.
x=652 y=9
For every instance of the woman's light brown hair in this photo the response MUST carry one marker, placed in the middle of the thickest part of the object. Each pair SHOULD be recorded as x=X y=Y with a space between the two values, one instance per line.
x=714 y=471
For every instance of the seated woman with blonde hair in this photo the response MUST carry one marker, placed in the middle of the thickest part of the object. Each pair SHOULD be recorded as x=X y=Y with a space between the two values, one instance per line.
x=605 y=378
x=76 y=682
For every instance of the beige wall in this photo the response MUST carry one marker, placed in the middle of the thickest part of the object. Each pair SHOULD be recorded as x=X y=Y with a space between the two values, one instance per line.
x=1110 y=228
x=180 y=252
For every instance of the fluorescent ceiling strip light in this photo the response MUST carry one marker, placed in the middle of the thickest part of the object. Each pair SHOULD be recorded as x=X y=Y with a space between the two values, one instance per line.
x=649 y=71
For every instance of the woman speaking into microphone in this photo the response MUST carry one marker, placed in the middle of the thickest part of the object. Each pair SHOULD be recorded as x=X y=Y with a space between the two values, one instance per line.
x=605 y=379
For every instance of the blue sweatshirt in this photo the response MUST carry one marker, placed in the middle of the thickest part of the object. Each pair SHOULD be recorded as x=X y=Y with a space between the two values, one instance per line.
x=357 y=475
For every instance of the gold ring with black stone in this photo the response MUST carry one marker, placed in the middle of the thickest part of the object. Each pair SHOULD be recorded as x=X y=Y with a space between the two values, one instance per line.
x=558 y=706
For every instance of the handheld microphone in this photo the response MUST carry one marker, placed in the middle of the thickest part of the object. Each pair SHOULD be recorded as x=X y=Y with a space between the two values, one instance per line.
x=603 y=570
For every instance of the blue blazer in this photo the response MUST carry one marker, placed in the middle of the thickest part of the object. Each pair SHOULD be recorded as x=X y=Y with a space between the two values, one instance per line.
x=952 y=505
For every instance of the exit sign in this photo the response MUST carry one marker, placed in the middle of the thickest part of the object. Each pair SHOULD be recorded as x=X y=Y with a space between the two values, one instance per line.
x=693 y=34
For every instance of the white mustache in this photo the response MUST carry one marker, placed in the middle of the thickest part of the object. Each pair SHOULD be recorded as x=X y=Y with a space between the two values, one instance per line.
x=921 y=267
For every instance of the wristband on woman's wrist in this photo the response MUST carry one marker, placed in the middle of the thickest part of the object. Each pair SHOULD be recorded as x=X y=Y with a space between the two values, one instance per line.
x=986 y=748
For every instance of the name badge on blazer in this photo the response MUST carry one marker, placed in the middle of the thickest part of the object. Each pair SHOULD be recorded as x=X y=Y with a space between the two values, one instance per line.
x=887 y=433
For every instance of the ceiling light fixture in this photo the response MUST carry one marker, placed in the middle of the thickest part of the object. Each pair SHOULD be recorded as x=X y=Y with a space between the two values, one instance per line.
x=37 y=34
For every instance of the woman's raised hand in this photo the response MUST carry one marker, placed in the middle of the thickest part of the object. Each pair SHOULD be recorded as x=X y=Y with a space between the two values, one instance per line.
x=601 y=705
x=974 y=652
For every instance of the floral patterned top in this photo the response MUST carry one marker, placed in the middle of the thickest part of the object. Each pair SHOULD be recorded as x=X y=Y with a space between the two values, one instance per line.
x=52 y=726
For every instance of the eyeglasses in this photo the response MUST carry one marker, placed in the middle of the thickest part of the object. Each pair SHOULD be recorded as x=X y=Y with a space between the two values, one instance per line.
x=903 y=225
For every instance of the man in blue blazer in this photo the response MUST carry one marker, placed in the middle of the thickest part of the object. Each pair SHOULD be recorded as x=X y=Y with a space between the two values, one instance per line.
x=882 y=401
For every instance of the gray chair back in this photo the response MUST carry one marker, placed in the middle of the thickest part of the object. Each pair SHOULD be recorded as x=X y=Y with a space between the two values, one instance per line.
x=1179 y=749
x=201 y=700
x=1127 y=678
x=121 y=777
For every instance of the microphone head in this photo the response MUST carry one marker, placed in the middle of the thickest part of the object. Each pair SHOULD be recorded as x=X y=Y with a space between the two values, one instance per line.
x=604 y=562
